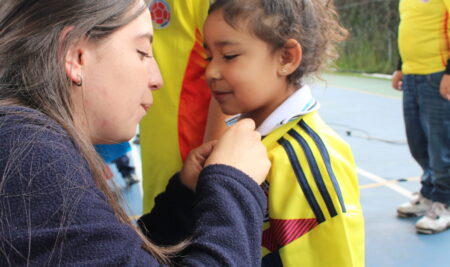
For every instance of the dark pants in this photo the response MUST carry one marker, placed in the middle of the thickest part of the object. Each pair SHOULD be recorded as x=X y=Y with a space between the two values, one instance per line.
x=427 y=121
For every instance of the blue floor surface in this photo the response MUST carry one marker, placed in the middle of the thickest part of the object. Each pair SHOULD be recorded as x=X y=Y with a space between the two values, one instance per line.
x=367 y=113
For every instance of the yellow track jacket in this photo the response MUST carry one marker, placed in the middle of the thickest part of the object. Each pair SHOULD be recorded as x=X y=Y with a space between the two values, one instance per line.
x=314 y=214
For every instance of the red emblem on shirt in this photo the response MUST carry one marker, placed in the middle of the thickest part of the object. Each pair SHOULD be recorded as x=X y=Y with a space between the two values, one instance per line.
x=160 y=11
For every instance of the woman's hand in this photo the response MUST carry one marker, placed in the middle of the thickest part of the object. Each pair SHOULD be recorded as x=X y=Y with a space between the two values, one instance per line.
x=241 y=147
x=194 y=164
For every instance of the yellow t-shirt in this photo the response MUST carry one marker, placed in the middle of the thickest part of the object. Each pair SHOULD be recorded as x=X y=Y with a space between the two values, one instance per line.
x=176 y=122
x=424 y=35
x=314 y=214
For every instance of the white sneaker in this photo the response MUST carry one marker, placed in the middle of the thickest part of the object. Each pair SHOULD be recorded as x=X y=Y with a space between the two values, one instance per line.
x=436 y=220
x=418 y=206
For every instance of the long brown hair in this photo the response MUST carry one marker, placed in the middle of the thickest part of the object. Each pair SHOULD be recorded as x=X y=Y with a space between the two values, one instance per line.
x=32 y=53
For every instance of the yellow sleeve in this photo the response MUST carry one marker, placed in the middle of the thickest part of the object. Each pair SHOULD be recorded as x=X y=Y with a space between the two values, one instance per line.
x=447 y=5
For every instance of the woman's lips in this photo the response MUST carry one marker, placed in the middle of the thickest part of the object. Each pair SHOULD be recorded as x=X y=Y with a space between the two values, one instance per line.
x=145 y=107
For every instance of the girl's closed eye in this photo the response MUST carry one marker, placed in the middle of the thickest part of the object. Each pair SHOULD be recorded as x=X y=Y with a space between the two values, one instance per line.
x=143 y=54
x=226 y=57
x=230 y=57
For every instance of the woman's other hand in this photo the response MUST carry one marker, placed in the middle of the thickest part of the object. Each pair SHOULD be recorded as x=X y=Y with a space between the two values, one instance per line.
x=241 y=148
x=194 y=164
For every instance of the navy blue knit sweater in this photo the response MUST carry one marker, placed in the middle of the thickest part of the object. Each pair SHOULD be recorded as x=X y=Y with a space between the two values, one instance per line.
x=52 y=214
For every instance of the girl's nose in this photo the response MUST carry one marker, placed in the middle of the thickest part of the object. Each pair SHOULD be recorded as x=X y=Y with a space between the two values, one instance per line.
x=212 y=71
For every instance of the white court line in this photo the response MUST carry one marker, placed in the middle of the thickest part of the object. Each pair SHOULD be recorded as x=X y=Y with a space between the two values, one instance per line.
x=395 y=187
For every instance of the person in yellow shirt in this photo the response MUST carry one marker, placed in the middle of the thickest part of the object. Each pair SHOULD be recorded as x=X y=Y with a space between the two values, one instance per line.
x=184 y=111
x=424 y=76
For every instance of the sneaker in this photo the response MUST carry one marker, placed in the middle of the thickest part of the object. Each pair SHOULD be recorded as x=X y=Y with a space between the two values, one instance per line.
x=418 y=206
x=436 y=220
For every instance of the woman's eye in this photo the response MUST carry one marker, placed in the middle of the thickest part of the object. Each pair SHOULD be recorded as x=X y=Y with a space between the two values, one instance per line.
x=208 y=59
x=143 y=54
x=229 y=57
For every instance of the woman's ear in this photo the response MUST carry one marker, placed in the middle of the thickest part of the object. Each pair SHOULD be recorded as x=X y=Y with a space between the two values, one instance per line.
x=291 y=57
x=74 y=59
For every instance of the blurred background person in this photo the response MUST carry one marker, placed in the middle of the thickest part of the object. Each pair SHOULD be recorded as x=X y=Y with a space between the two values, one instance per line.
x=424 y=76
x=184 y=112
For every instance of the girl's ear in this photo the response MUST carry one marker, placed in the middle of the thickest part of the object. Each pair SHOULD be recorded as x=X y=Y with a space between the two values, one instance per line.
x=291 y=57
x=74 y=59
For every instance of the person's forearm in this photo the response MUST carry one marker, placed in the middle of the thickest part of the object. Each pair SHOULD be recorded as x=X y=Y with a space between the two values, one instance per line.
x=228 y=220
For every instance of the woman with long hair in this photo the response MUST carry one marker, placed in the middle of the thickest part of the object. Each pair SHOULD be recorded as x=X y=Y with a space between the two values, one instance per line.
x=78 y=73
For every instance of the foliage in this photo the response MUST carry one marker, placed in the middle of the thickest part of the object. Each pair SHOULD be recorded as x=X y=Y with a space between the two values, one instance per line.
x=372 y=44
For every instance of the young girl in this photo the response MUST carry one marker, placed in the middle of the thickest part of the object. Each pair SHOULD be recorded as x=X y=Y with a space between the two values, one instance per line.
x=259 y=52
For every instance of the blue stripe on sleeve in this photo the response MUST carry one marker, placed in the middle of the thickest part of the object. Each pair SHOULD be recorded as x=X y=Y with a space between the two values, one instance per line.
x=301 y=178
x=326 y=157
x=315 y=171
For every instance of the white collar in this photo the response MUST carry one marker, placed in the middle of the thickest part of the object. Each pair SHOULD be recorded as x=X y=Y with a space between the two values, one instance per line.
x=301 y=102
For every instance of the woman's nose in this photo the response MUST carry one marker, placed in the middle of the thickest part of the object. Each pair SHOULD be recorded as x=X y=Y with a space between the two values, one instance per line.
x=155 y=79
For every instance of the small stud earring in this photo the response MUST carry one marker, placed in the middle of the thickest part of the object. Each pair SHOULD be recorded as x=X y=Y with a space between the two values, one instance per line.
x=80 y=82
x=283 y=71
